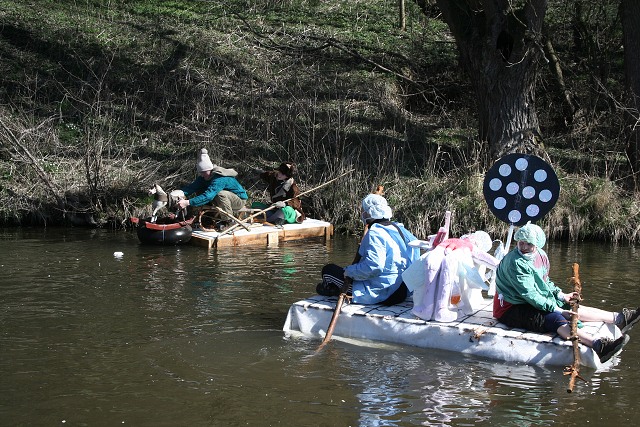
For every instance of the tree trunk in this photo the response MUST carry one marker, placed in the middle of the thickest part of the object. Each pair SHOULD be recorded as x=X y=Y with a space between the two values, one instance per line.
x=630 y=13
x=568 y=107
x=500 y=45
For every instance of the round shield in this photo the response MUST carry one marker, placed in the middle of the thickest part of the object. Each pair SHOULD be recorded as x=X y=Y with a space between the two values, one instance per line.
x=520 y=188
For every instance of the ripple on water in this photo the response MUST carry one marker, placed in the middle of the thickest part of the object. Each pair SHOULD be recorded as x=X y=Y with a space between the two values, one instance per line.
x=185 y=336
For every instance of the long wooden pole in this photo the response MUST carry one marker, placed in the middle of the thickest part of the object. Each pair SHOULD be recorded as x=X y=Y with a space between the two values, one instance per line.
x=334 y=319
x=249 y=218
x=574 y=369
x=344 y=294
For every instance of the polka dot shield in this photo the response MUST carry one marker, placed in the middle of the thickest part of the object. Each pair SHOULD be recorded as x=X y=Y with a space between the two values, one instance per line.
x=520 y=188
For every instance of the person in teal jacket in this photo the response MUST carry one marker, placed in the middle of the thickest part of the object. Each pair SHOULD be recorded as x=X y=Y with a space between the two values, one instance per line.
x=214 y=185
x=384 y=253
x=526 y=298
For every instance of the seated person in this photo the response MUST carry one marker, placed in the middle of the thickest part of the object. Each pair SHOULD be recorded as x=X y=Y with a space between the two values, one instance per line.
x=376 y=275
x=214 y=186
x=284 y=192
x=526 y=298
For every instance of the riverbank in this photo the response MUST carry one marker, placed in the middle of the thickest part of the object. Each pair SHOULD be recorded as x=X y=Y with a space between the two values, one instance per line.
x=99 y=102
x=587 y=209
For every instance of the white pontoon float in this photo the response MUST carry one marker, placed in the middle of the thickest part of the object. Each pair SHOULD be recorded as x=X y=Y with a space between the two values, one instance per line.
x=476 y=334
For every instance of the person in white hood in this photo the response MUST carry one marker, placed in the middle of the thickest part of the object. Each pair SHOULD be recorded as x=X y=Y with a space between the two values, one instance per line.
x=214 y=185
x=384 y=253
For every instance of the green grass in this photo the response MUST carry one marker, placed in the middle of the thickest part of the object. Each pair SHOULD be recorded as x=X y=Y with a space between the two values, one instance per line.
x=137 y=87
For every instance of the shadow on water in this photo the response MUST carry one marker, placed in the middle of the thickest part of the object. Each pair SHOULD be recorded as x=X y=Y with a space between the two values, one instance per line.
x=169 y=336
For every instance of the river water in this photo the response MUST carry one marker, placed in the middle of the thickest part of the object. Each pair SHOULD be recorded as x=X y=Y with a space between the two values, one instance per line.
x=180 y=336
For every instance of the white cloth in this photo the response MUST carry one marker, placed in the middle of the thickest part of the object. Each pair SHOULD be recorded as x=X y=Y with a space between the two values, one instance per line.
x=376 y=206
x=429 y=279
x=432 y=279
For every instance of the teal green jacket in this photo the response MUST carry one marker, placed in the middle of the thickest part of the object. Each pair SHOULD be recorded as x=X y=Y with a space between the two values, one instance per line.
x=526 y=281
x=208 y=190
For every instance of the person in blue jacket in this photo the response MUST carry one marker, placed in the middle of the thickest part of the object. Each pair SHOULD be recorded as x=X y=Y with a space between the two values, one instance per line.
x=214 y=185
x=376 y=275
x=526 y=298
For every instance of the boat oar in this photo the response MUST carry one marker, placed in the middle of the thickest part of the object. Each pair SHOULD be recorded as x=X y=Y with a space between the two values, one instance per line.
x=249 y=218
x=344 y=294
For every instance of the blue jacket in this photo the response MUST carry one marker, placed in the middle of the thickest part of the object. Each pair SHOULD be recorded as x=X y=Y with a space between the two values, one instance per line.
x=210 y=189
x=384 y=256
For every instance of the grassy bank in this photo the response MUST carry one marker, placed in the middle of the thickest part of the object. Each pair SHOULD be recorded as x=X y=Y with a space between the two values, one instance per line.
x=99 y=100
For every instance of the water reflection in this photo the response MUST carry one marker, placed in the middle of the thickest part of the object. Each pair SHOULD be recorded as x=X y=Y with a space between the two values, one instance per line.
x=429 y=387
x=185 y=336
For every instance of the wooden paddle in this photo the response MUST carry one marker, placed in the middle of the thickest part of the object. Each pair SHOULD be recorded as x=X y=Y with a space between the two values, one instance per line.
x=346 y=289
x=249 y=218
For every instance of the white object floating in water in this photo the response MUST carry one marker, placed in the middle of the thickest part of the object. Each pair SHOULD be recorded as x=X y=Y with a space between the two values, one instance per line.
x=118 y=254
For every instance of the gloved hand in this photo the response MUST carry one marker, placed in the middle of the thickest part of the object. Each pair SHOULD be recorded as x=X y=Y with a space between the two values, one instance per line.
x=279 y=205
x=182 y=204
x=453 y=244
x=346 y=286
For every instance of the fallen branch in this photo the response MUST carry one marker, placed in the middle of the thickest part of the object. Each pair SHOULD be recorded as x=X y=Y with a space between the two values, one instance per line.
x=22 y=150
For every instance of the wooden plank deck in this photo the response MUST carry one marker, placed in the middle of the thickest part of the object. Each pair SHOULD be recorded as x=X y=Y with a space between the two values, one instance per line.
x=264 y=235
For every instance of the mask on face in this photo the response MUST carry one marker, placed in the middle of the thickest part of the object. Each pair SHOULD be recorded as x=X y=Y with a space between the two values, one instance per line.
x=529 y=256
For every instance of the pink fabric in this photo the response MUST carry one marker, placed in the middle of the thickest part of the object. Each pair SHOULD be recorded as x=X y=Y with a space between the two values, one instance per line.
x=453 y=244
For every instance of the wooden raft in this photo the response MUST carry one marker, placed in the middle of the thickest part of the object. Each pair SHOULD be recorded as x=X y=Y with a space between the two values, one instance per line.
x=264 y=235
